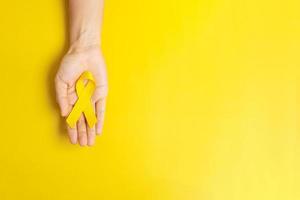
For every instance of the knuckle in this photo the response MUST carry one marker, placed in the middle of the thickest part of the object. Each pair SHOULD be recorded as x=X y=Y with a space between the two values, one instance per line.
x=91 y=131
x=57 y=78
x=81 y=132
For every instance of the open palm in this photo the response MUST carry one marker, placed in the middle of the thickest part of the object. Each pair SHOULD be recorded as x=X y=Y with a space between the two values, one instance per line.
x=72 y=66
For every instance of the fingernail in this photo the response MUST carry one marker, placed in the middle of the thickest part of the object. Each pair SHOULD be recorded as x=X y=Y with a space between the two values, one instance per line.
x=99 y=133
x=73 y=140
x=83 y=142
x=91 y=143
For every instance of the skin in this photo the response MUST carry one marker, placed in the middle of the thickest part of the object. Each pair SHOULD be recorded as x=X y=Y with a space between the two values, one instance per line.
x=84 y=54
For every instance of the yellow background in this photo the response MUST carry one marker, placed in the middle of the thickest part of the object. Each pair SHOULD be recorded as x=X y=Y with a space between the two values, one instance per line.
x=204 y=102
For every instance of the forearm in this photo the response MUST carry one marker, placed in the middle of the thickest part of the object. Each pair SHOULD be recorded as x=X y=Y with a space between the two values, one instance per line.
x=85 y=23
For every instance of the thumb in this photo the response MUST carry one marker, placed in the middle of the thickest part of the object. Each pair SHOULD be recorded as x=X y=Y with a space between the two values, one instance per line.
x=62 y=96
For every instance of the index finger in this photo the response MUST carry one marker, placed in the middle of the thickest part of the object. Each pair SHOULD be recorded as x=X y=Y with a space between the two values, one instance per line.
x=100 y=111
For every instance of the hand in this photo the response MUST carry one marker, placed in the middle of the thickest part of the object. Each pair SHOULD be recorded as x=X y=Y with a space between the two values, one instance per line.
x=74 y=63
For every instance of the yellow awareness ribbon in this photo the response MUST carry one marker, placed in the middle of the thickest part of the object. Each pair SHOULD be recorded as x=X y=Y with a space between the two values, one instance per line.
x=83 y=104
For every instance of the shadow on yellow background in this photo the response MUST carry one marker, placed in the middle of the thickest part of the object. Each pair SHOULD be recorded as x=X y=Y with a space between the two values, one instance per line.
x=203 y=102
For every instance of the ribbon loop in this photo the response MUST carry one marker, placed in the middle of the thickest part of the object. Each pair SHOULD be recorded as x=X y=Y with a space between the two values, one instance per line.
x=83 y=104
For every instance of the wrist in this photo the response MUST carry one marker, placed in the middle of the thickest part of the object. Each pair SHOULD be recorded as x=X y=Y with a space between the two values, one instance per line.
x=85 y=24
x=84 y=40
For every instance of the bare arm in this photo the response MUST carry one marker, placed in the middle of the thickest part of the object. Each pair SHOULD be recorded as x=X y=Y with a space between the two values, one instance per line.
x=84 y=55
x=85 y=22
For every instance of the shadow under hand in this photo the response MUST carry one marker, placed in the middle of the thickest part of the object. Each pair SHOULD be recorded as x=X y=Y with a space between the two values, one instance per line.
x=53 y=68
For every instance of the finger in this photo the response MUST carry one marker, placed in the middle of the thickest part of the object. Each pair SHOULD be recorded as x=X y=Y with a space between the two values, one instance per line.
x=100 y=92
x=91 y=135
x=72 y=95
x=100 y=110
x=62 y=95
x=81 y=129
x=101 y=89
x=72 y=132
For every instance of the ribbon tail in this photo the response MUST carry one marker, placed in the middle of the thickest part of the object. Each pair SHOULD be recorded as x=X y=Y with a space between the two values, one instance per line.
x=90 y=116
x=74 y=116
